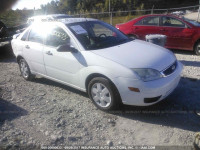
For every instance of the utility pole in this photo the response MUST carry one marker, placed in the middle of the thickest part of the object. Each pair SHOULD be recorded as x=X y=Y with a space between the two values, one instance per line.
x=152 y=9
x=110 y=13
x=198 y=12
x=34 y=11
x=109 y=6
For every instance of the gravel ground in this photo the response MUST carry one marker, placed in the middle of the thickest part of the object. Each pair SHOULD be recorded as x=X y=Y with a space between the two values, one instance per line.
x=43 y=112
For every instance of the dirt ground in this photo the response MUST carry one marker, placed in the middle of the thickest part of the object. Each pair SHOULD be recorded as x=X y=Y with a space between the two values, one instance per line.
x=46 y=113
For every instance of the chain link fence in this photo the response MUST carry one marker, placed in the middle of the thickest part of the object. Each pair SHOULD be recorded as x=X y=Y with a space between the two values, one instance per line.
x=116 y=17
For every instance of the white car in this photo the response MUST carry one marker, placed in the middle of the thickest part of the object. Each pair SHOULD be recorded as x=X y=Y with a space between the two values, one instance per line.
x=94 y=57
x=178 y=13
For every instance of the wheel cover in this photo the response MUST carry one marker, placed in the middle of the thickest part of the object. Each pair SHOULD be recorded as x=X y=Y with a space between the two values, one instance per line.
x=24 y=69
x=101 y=95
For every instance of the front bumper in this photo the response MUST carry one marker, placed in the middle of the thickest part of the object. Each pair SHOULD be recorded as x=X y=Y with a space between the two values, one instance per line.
x=156 y=90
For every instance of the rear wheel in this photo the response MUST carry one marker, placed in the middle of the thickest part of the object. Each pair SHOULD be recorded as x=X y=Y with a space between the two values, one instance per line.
x=197 y=48
x=25 y=70
x=103 y=94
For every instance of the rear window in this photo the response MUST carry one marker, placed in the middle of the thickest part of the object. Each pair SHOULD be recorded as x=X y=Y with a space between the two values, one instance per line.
x=36 y=36
x=24 y=37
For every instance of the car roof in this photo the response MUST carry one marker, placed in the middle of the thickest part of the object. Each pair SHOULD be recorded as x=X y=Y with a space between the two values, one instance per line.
x=58 y=15
x=74 y=20
x=170 y=15
x=38 y=17
x=69 y=20
x=152 y=15
x=48 y=16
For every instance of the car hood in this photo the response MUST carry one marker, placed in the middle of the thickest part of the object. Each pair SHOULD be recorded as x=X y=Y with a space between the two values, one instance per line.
x=138 y=54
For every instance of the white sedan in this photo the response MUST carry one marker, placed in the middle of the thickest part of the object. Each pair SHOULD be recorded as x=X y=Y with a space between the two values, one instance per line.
x=94 y=57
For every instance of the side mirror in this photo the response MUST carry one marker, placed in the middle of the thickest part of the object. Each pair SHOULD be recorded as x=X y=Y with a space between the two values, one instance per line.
x=16 y=35
x=187 y=26
x=67 y=48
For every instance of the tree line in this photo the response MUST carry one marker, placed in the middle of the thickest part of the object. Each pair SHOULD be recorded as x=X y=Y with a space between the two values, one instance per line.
x=73 y=7
x=89 y=6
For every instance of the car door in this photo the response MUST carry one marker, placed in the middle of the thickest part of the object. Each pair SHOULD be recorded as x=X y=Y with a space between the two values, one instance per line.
x=146 y=26
x=33 y=49
x=62 y=66
x=178 y=34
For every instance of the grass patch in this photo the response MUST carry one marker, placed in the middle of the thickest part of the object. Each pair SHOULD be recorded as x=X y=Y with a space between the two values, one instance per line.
x=119 y=19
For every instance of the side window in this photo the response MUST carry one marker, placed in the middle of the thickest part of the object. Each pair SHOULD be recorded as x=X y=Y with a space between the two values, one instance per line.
x=57 y=37
x=172 y=22
x=149 y=21
x=24 y=37
x=36 y=35
x=139 y=22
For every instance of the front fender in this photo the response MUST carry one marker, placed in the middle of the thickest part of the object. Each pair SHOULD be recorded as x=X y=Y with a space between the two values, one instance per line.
x=86 y=72
x=196 y=38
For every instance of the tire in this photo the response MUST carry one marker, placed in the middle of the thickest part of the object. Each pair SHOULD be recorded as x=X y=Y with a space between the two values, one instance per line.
x=25 y=70
x=197 y=48
x=104 y=94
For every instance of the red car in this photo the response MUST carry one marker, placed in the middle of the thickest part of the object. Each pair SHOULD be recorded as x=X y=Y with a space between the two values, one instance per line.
x=181 y=33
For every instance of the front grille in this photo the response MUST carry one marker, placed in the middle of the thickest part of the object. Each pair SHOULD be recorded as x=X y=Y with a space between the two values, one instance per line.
x=171 y=69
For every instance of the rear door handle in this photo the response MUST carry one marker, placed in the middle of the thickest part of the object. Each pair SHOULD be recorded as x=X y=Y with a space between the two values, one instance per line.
x=49 y=53
x=27 y=46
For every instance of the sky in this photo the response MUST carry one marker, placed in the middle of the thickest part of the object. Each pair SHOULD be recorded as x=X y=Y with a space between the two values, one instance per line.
x=29 y=4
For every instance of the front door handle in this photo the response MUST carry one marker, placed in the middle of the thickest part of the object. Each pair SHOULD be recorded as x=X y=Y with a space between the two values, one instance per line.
x=163 y=30
x=49 y=53
x=27 y=46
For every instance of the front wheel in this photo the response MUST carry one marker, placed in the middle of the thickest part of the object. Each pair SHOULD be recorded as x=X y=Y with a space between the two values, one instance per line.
x=25 y=70
x=103 y=94
x=197 y=49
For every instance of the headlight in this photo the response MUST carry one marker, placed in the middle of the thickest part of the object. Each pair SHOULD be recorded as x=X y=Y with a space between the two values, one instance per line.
x=148 y=74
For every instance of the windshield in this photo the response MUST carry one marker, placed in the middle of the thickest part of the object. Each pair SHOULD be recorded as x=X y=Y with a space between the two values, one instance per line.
x=195 y=23
x=95 y=35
